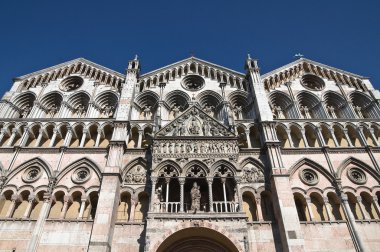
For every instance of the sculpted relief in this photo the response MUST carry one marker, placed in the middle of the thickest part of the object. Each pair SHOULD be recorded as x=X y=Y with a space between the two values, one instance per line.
x=136 y=175
x=252 y=174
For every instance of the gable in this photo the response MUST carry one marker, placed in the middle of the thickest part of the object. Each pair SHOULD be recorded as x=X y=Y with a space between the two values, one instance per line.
x=194 y=122
x=303 y=66
x=80 y=66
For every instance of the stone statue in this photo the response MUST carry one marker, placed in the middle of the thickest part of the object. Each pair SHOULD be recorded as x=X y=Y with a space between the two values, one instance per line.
x=147 y=113
x=206 y=128
x=209 y=110
x=25 y=111
x=176 y=110
x=108 y=111
x=194 y=127
x=331 y=111
x=80 y=110
x=358 y=111
x=53 y=110
x=279 y=112
x=238 y=112
x=305 y=111
x=195 y=197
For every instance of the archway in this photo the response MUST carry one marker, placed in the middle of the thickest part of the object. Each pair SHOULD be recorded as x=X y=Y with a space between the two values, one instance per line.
x=198 y=239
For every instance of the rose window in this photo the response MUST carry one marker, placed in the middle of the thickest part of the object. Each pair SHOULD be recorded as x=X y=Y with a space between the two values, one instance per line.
x=309 y=177
x=357 y=176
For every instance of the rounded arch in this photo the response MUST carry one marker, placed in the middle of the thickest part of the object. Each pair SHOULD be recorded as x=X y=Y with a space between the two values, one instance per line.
x=159 y=170
x=210 y=98
x=202 y=170
x=147 y=98
x=310 y=105
x=177 y=98
x=336 y=105
x=223 y=168
x=282 y=105
x=364 y=106
x=198 y=237
x=107 y=102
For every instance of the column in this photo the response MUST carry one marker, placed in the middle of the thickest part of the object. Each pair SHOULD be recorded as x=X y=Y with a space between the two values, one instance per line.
x=320 y=136
x=28 y=209
x=15 y=199
x=210 y=201
x=38 y=140
x=167 y=181
x=372 y=132
x=365 y=214
x=69 y=136
x=238 y=180
x=248 y=138
x=82 y=207
x=67 y=200
x=12 y=138
x=83 y=139
x=224 y=193
x=259 y=209
x=181 y=193
x=347 y=138
x=351 y=223
x=153 y=180
x=133 y=208
x=55 y=131
x=140 y=139
x=309 y=208
x=38 y=228
x=2 y=134
x=289 y=138
x=98 y=137
x=330 y=216
x=304 y=138
x=25 y=137
x=376 y=205
x=332 y=133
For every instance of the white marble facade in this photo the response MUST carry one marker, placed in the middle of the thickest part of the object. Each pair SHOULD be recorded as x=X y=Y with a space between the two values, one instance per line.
x=190 y=157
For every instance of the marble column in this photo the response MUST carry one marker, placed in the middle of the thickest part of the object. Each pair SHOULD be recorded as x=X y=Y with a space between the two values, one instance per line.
x=210 y=200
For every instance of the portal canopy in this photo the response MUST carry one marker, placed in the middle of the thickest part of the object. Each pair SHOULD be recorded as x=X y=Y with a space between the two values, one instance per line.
x=198 y=239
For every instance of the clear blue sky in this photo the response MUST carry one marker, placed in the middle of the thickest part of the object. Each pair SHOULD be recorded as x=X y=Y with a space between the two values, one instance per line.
x=39 y=34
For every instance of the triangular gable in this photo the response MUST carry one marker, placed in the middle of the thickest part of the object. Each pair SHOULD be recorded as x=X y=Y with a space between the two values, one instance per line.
x=295 y=69
x=187 y=63
x=194 y=122
x=78 y=66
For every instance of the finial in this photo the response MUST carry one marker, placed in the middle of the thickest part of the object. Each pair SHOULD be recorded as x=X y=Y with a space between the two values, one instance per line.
x=298 y=55
x=248 y=56
x=136 y=57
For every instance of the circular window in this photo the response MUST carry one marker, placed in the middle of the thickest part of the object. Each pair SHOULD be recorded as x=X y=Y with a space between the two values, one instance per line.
x=312 y=82
x=193 y=82
x=71 y=83
x=309 y=177
x=357 y=176
x=31 y=174
x=81 y=175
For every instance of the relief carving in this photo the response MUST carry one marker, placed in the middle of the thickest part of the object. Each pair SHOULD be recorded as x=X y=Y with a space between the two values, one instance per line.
x=252 y=173
x=136 y=175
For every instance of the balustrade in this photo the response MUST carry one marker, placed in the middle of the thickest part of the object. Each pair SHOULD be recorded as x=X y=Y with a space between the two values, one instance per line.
x=225 y=206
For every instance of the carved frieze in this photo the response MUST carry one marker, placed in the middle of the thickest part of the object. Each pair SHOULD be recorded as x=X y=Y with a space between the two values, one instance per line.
x=136 y=175
x=252 y=174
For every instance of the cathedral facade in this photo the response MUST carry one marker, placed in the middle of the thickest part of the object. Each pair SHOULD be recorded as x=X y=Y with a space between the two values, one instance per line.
x=190 y=157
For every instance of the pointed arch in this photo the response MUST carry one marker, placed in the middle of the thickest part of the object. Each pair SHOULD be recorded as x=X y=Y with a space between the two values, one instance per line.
x=312 y=164
x=83 y=162
x=39 y=162
x=358 y=163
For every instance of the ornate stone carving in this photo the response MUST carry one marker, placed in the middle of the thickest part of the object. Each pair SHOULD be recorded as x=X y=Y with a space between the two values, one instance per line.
x=81 y=175
x=194 y=122
x=195 y=197
x=252 y=174
x=309 y=177
x=136 y=175
x=357 y=176
x=31 y=174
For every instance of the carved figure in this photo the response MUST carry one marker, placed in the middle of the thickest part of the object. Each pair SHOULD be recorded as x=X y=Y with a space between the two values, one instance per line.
x=25 y=111
x=176 y=110
x=147 y=113
x=206 y=128
x=358 y=111
x=108 y=111
x=194 y=127
x=331 y=111
x=209 y=110
x=252 y=174
x=305 y=112
x=80 y=110
x=53 y=110
x=195 y=197
x=279 y=112
x=238 y=112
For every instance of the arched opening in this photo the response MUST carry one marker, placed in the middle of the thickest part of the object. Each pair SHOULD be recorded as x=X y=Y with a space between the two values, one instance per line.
x=242 y=137
x=254 y=136
x=249 y=206
x=368 y=206
x=142 y=207
x=37 y=205
x=297 y=138
x=302 y=211
x=354 y=206
x=352 y=134
x=311 y=136
x=335 y=206
x=340 y=136
x=133 y=137
x=327 y=137
x=56 y=208
x=317 y=207
x=124 y=209
x=197 y=239
x=21 y=205
x=283 y=137
x=74 y=207
x=267 y=206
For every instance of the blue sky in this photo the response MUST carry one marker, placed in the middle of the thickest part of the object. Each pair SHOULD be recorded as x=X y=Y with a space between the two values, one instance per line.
x=39 y=34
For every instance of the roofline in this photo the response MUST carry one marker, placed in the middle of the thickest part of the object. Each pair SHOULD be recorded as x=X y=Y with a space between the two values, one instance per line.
x=191 y=58
x=83 y=60
x=312 y=62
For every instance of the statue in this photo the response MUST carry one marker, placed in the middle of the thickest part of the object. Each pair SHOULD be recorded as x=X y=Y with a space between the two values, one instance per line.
x=195 y=197
x=206 y=128
x=157 y=199
x=358 y=111
x=25 y=111
x=238 y=112
x=209 y=110
x=194 y=127
x=176 y=110
x=147 y=113
x=331 y=111
x=279 y=112
x=80 y=110
x=108 y=111
x=53 y=110
x=305 y=111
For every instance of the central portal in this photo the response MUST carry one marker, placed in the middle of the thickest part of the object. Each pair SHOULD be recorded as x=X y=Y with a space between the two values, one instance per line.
x=197 y=239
